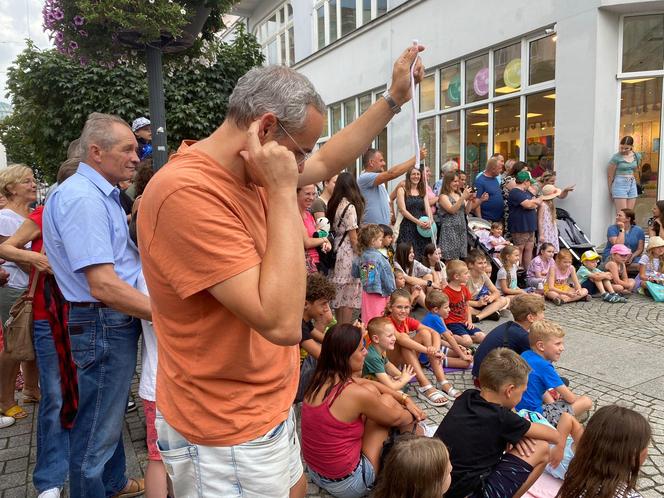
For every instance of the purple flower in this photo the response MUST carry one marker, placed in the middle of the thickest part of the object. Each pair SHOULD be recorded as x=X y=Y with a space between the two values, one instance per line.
x=59 y=36
x=73 y=45
x=79 y=20
x=58 y=14
x=83 y=33
x=83 y=61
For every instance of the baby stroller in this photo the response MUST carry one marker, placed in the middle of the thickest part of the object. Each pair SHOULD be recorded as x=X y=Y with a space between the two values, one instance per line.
x=478 y=234
x=571 y=236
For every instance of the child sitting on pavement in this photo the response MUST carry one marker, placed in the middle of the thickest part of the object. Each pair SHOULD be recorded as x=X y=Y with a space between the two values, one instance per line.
x=557 y=288
x=482 y=424
x=414 y=338
x=597 y=281
x=547 y=344
x=400 y=281
x=438 y=305
x=538 y=269
x=616 y=265
x=460 y=319
x=526 y=309
x=376 y=365
x=651 y=264
x=506 y=280
x=486 y=299
x=316 y=316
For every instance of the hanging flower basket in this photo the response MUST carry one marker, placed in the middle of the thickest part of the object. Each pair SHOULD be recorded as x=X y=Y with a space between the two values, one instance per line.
x=107 y=31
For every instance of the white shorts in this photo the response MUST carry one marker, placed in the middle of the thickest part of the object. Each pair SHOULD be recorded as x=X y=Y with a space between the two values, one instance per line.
x=266 y=466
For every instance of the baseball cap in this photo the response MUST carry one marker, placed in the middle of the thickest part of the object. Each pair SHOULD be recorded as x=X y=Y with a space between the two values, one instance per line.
x=523 y=176
x=621 y=249
x=589 y=256
x=139 y=123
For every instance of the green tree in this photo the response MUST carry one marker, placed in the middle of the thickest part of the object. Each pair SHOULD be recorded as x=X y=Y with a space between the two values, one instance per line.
x=52 y=96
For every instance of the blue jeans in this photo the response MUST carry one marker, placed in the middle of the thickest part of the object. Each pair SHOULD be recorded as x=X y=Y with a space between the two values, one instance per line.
x=103 y=344
x=52 y=439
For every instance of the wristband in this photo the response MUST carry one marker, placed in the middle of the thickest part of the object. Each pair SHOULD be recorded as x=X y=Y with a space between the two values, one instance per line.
x=396 y=108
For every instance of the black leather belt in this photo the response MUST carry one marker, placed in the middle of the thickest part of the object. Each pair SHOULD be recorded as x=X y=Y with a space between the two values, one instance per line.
x=89 y=304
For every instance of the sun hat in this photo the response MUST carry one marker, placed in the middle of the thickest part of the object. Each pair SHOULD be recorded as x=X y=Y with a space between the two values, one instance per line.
x=550 y=192
x=655 y=241
x=589 y=256
x=621 y=249
x=139 y=123
x=523 y=176
x=427 y=232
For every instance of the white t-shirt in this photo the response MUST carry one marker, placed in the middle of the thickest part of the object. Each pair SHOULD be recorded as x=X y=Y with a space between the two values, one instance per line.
x=146 y=388
x=502 y=275
x=9 y=223
x=419 y=270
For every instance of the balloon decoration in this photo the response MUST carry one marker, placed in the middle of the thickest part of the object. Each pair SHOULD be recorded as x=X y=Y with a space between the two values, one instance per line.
x=471 y=153
x=454 y=89
x=481 y=82
x=512 y=73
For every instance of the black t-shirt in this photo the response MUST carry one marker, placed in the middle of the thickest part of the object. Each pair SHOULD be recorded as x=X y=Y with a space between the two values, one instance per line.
x=507 y=335
x=476 y=433
x=307 y=327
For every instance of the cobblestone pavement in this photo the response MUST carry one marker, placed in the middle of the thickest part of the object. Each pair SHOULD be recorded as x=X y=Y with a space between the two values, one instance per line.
x=633 y=334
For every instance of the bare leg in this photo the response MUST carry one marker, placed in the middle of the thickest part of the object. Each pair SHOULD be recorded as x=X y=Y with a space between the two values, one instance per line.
x=619 y=204
x=156 y=480
x=582 y=405
x=375 y=435
x=477 y=337
x=463 y=340
x=630 y=203
x=527 y=254
x=490 y=308
x=538 y=460
x=600 y=286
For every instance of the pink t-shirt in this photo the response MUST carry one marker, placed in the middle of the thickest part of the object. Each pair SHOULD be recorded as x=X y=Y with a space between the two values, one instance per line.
x=310 y=225
x=539 y=265
x=561 y=277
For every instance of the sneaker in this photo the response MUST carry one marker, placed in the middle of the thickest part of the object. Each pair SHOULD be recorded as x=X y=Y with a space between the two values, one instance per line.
x=495 y=316
x=131 y=406
x=50 y=493
x=475 y=319
x=608 y=298
x=619 y=298
x=6 y=421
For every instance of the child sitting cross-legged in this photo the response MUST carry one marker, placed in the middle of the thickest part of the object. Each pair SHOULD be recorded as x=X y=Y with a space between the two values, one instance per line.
x=596 y=281
x=526 y=309
x=376 y=365
x=460 y=319
x=414 y=338
x=557 y=287
x=547 y=344
x=456 y=356
x=616 y=265
x=651 y=264
x=506 y=280
x=538 y=269
x=481 y=425
x=486 y=299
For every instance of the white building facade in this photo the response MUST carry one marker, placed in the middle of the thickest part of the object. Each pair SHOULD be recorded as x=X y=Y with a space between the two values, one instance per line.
x=554 y=83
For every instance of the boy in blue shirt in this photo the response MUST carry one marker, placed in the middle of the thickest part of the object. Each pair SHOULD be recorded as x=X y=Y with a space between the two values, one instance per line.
x=546 y=345
x=438 y=305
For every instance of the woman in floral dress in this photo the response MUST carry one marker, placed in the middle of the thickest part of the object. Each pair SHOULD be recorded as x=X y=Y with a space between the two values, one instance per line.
x=452 y=239
x=345 y=208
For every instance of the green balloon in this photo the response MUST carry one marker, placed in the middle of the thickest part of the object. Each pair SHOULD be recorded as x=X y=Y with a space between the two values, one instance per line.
x=454 y=89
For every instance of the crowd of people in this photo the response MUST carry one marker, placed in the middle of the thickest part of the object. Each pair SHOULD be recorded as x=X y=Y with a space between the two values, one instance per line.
x=258 y=276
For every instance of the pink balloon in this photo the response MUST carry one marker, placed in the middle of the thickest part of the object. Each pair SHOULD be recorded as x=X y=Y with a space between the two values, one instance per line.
x=481 y=82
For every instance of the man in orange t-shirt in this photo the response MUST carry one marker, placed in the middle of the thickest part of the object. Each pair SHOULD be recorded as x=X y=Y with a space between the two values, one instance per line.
x=227 y=280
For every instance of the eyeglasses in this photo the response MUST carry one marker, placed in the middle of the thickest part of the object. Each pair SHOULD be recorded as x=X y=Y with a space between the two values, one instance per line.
x=305 y=155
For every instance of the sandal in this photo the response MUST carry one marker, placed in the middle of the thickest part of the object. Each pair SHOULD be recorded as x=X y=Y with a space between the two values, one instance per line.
x=134 y=487
x=28 y=397
x=451 y=393
x=557 y=301
x=434 y=398
x=15 y=412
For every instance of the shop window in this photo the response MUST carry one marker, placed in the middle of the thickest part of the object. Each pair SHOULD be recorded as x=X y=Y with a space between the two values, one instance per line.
x=450 y=137
x=542 y=60
x=428 y=93
x=450 y=86
x=335 y=117
x=477 y=138
x=643 y=43
x=640 y=115
x=477 y=78
x=507 y=70
x=426 y=131
x=506 y=128
x=540 y=132
x=349 y=111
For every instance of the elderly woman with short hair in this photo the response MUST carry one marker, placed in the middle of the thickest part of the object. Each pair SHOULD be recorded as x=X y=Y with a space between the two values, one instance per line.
x=18 y=185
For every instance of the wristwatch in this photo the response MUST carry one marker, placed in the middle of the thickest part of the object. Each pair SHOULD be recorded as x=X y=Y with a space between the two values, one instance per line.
x=429 y=283
x=396 y=109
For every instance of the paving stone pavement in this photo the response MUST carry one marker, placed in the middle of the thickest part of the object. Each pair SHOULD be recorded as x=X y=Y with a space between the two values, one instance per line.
x=613 y=354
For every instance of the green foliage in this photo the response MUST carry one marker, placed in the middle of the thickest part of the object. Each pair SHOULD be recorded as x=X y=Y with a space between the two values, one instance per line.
x=52 y=96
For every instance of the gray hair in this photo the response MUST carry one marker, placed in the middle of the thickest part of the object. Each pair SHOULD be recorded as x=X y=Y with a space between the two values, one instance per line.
x=276 y=89
x=98 y=131
x=449 y=167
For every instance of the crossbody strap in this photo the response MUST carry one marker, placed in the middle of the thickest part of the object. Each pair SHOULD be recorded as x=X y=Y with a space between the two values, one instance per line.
x=35 y=279
x=343 y=213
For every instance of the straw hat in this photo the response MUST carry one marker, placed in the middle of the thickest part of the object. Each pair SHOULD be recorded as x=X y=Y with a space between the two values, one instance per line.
x=550 y=192
x=655 y=241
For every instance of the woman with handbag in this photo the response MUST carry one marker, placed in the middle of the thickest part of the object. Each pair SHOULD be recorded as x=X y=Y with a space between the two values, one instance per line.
x=305 y=198
x=345 y=208
x=17 y=184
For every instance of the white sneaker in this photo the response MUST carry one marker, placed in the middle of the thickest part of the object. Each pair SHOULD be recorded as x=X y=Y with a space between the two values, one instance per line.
x=50 y=493
x=6 y=422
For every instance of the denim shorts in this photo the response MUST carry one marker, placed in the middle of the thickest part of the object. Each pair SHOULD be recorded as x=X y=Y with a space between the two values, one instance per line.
x=356 y=485
x=266 y=466
x=624 y=187
x=461 y=329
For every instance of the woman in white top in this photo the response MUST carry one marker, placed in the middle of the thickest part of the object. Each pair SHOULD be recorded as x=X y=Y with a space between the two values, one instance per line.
x=17 y=184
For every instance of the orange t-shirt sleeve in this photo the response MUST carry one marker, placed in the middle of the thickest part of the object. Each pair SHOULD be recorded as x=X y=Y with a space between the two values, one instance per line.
x=200 y=240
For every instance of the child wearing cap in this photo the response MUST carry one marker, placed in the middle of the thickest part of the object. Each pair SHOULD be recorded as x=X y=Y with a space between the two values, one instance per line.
x=522 y=221
x=597 y=281
x=651 y=264
x=616 y=265
x=547 y=230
